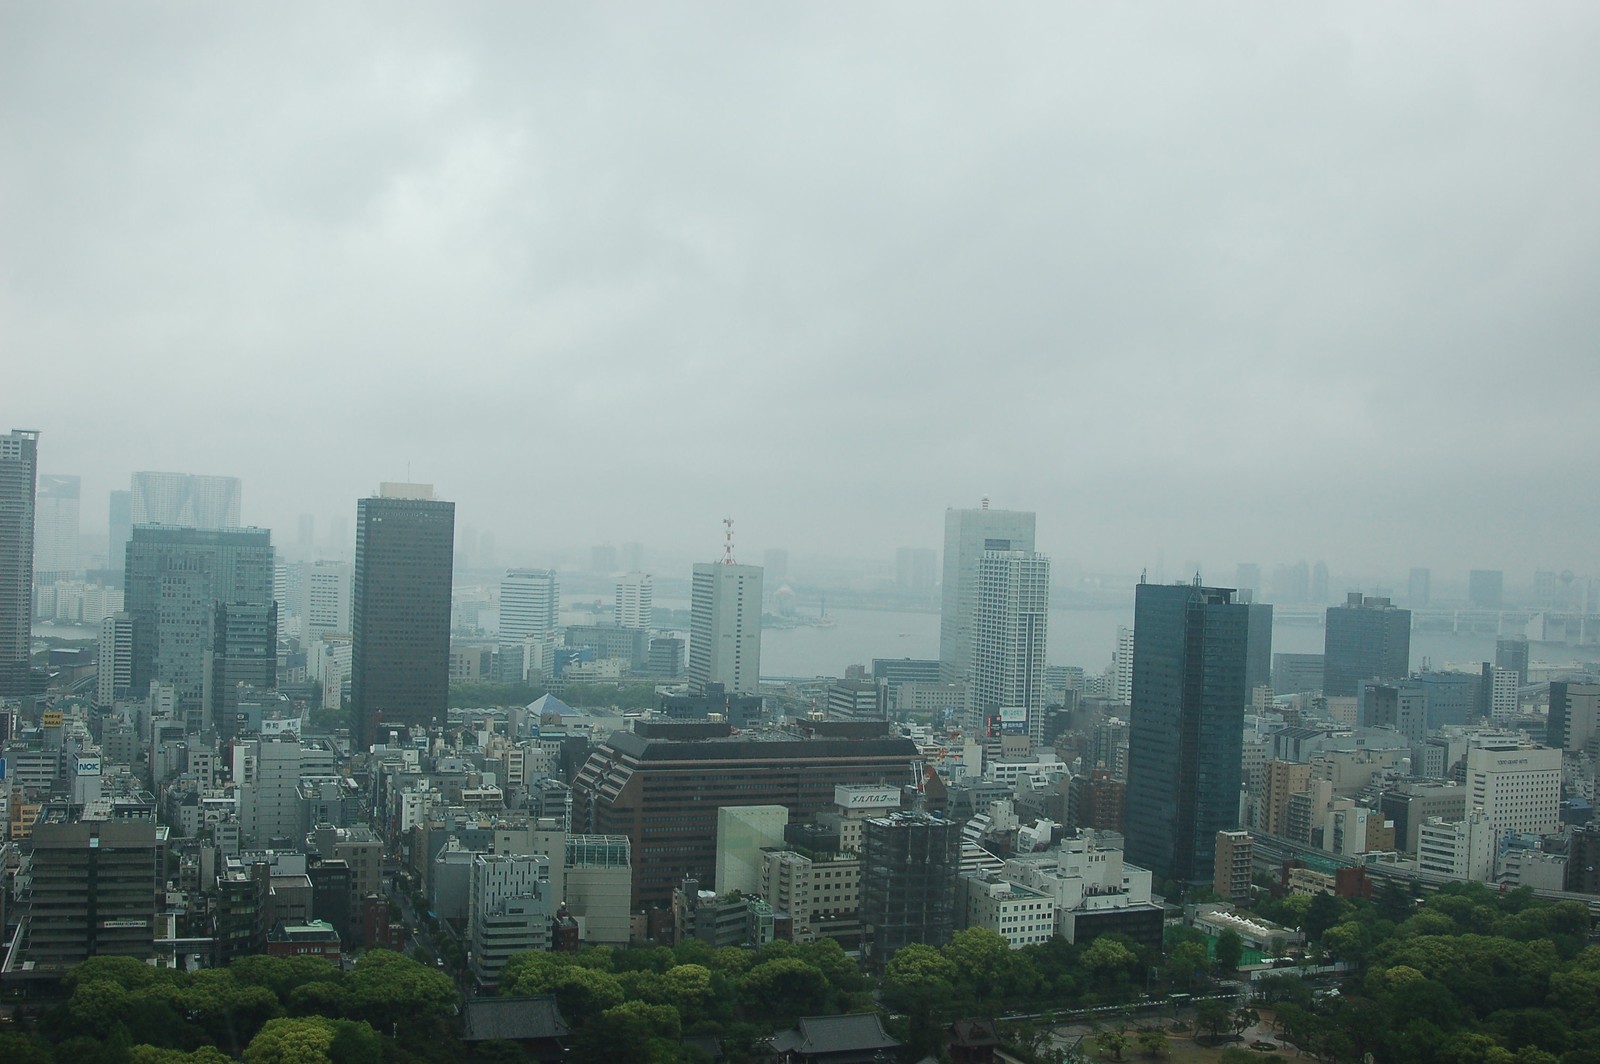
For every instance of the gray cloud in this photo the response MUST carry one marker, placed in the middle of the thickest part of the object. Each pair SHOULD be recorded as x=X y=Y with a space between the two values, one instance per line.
x=1297 y=281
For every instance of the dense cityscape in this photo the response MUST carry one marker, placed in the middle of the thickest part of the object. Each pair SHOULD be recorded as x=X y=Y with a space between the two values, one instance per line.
x=397 y=801
x=904 y=532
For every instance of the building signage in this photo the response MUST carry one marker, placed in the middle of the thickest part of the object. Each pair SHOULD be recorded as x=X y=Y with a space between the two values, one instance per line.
x=51 y=718
x=86 y=766
x=866 y=797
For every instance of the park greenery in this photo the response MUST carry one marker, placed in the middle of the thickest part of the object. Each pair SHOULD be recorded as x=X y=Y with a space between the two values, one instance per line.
x=1468 y=974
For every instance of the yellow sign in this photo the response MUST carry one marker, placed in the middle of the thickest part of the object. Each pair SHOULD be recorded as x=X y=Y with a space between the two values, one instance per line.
x=52 y=718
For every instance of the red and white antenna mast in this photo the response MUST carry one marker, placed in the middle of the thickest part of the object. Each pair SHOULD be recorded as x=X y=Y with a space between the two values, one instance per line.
x=727 y=541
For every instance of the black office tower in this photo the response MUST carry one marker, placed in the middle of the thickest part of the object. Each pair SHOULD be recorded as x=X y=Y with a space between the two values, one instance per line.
x=1366 y=639
x=400 y=611
x=1186 y=736
x=19 y=478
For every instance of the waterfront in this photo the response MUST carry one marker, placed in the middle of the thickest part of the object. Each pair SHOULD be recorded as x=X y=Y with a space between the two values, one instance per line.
x=1079 y=637
x=1082 y=637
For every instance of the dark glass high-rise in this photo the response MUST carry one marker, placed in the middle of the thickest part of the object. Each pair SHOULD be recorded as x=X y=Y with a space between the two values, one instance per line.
x=400 y=611
x=1186 y=736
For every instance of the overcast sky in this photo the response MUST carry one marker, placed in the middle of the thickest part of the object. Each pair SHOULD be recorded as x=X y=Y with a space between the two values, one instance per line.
x=1218 y=282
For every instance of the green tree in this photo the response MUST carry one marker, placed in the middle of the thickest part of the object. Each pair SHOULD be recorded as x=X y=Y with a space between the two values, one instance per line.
x=1323 y=912
x=583 y=994
x=292 y=1041
x=396 y=995
x=355 y=1043
x=784 y=989
x=1212 y=1014
x=917 y=978
x=1230 y=950
x=229 y=1012
x=1153 y=1041
x=631 y=1031
x=1109 y=958
x=920 y=982
x=983 y=962
x=736 y=961
x=17 y=1047
x=282 y=975
x=148 y=1054
x=1184 y=963
x=1346 y=943
x=689 y=989
x=829 y=957
x=1112 y=1042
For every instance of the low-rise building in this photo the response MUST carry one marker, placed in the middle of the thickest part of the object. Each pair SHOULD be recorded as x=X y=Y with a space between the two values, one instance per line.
x=1021 y=915
x=314 y=938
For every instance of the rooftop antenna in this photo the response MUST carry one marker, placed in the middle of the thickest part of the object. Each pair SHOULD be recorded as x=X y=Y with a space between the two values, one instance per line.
x=1143 y=573
x=727 y=544
x=984 y=504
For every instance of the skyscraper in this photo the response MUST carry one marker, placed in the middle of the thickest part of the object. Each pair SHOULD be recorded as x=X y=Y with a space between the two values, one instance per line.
x=775 y=563
x=635 y=601
x=1486 y=588
x=185 y=499
x=1122 y=668
x=1258 y=656
x=915 y=569
x=1186 y=738
x=1012 y=624
x=119 y=528
x=55 y=528
x=400 y=610
x=1367 y=638
x=19 y=469
x=725 y=627
x=910 y=868
x=245 y=654
x=530 y=605
x=176 y=580
x=1418 y=588
x=114 y=667
x=967 y=535
x=1513 y=654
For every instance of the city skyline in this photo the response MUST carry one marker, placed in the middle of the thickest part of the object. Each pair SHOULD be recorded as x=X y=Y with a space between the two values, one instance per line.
x=1136 y=215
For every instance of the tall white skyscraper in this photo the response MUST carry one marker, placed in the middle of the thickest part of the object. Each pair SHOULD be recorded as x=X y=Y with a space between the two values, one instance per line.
x=634 y=607
x=1012 y=625
x=1122 y=668
x=114 y=673
x=967 y=535
x=725 y=627
x=1504 y=693
x=530 y=604
x=185 y=499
